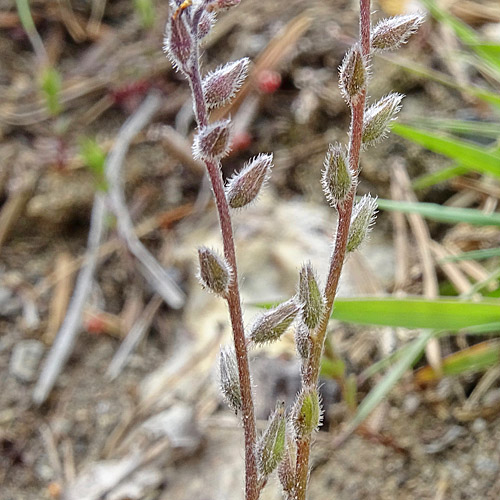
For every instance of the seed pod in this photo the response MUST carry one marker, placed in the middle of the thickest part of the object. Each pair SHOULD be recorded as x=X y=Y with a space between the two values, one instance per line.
x=271 y=445
x=220 y=86
x=337 y=178
x=213 y=141
x=391 y=33
x=286 y=468
x=307 y=412
x=244 y=187
x=271 y=325
x=353 y=75
x=214 y=273
x=229 y=380
x=302 y=339
x=178 y=42
x=363 y=217
x=378 y=117
x=310 y=296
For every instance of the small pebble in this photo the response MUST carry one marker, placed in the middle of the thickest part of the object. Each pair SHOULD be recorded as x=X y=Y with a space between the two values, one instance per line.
x=25 y=359
x=479 y=425
x=485 y=466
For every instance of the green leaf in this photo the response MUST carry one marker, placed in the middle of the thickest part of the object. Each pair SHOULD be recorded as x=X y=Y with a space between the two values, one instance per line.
x=467 y=153
x=485 y=253
x=488 y=130
x=50 y=85
x=390 y=379
x=441 y=314
x=94 y=157
x=476 y=358
x=442 y=213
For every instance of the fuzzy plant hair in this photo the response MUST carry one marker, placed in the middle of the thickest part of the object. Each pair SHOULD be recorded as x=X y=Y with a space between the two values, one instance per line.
x=285 y=444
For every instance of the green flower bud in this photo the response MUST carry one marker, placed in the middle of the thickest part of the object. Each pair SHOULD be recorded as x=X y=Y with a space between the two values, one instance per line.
x=286 y=468
x=363 y=217
x=215 y=273
x=302 y=339
x=307 y=412
x=229 y=380
x=271 y=325
x=353 y=75
x=337 y=178
x=271 y=445
x=310 y=296
x=378 y=117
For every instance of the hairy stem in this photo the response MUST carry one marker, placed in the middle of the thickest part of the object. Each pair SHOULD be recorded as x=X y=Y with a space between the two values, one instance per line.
x=344 y=210
x=252 y=488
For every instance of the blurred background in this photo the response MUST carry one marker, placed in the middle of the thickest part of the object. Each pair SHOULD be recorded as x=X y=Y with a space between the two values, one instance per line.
x=108 y=345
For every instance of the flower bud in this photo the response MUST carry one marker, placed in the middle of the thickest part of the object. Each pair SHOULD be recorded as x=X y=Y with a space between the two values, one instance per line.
x=310 y=297
x=229 y=380
x=337 y=178
x=307 y=412
x=178 y=43
x=220 y=86
x=302 y=339
x=213 y=141
x=271 y=445
x=244 y=187
x=206 y=23
x=363 y=217
x=286 y=468
x=353 y=75
x=391 y=33
x=378 y=117
x=214 y=273
x=271 y=325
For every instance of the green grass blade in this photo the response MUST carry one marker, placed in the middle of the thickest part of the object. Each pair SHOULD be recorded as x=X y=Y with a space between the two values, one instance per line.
x=390 y=379
x=441 y=314
x=430 y=74
x=485 y=253
x=445 y=174
x=451 y=215
x=465 y=127
x=467 y=153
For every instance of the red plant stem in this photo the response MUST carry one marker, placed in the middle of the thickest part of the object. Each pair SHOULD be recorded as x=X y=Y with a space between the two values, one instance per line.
x=252 y=488
x=344 y=210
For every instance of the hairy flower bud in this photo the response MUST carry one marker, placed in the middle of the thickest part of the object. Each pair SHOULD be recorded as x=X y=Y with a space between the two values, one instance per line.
x=271 y=445
x=178 y=42
x=229 y=380
x=215 y=273
x=307 y=412
x=310 y=296
x=206 y=23
x=244 y=186
x=220 y=86
x=391 y=33
x=363 y=217
x=286 y=468
x=271 y=325
x=353 y=75
x=337 y=178
x=378 y=117
x=213 y=141
x=302 y=339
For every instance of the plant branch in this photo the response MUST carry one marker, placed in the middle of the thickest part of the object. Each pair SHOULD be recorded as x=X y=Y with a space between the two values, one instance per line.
x=252 y=488
x=344 y=210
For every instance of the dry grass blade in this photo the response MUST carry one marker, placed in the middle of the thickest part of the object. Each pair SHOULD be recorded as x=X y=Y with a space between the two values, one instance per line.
x=68 y=332
x=423 y=239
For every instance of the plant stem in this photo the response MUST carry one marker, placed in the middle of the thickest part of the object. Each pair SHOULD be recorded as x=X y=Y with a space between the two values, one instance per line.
x=252 y=488
x=344 y=210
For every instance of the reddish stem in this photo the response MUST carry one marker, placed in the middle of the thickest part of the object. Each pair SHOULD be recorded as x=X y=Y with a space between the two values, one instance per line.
x=252 y=488
x=344 y=210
